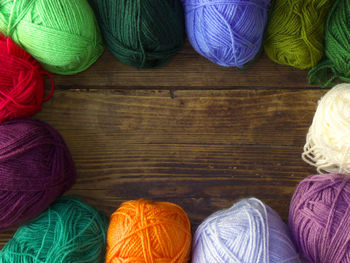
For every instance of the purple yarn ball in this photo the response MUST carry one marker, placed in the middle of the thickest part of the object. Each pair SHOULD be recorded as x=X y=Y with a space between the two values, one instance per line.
x=227 y=32
x=319 y=218
x=35 y=169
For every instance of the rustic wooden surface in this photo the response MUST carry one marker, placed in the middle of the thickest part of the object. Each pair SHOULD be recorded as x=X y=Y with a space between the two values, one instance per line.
x=192 y=133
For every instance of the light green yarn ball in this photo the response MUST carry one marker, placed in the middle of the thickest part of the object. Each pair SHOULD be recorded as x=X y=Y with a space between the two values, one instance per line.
x=69 y=231
x=62 y=35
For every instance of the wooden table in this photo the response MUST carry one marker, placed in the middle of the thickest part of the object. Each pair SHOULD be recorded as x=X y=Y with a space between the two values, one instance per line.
x=193 y=133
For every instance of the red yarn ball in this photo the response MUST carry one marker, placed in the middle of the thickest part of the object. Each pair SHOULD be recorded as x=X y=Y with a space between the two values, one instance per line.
x=22 y=84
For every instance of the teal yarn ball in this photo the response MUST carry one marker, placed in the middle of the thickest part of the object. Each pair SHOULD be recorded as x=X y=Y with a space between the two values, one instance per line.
x=63 y=35
x=69 y=231
x=141 y=33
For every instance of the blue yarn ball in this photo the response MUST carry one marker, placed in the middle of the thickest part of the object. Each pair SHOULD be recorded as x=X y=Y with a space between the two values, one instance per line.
x=229 y=33
x=248 y=232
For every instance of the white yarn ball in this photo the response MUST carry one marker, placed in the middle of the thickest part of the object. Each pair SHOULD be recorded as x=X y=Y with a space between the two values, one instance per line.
x=248 y=232
x=328 y=140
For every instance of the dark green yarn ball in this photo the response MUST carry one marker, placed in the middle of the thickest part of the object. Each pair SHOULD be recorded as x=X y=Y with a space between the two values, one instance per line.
x=335 y=66
x=141 y=33
x=69 y=231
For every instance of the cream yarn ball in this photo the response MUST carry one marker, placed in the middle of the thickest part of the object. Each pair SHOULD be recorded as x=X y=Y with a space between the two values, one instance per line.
x=328 y=140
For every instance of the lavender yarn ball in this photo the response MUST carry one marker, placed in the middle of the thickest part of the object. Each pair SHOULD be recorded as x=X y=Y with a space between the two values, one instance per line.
x=227 y=32
x=319 y=218
x=248 y=232
x=35 y=169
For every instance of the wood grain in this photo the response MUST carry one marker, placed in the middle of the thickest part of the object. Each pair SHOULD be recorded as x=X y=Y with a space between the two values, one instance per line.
x=192 y=133
x=187 y=70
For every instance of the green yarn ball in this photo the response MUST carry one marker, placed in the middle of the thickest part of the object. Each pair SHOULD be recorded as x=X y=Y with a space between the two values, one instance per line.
x=337 y=47
x=142 y=33
x=295 y=34
x=62 y=35
x=69 y=231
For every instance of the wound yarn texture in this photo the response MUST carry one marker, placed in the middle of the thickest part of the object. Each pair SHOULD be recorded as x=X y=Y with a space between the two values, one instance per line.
x=69 y=231
x=35 y=169
x=228 y=33
x=145 y=231
x=319 y=218
x=248 y=232
x=295 y=33
x=62 y=35
x=337 y=47
x=327 y=144
x=141 y=33
x=22 y=84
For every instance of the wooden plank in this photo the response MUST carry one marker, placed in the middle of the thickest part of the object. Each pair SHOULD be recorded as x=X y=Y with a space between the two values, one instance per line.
x=188 y=70
x=264 y=117
x=200 y=149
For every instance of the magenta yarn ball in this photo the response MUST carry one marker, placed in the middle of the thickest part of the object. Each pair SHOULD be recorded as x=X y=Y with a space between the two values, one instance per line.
x=35 y=169
x=319 y=218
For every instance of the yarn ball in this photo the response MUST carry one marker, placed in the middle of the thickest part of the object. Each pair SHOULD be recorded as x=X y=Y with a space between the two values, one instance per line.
x=69 y=231
x=62 y=35
x=337 y=47
x=144 y=33
x=327 y=144
x=22 y=84
x=229 y=33
x=319 y=218
x=146 y=231
x=249 y=231
x=295 y=34
x=35 y=169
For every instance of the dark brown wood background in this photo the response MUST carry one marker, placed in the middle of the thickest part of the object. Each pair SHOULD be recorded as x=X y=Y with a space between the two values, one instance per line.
x=192 y=133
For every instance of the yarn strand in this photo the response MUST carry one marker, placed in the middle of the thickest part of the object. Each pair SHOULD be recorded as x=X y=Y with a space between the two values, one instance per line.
x=319 y=74
x=52 y=85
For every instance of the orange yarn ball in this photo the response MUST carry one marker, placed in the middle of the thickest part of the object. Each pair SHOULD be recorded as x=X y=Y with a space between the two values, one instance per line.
x=147 y=231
